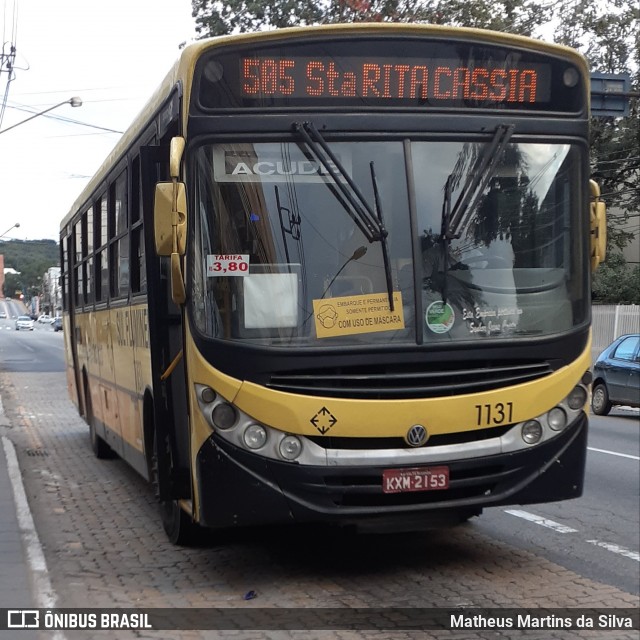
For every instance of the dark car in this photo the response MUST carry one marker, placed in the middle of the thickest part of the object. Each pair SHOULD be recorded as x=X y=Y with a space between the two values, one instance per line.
x=57 y=324
x=616 y=375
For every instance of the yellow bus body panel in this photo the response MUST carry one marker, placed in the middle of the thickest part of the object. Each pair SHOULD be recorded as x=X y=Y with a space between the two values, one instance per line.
x=293 y=413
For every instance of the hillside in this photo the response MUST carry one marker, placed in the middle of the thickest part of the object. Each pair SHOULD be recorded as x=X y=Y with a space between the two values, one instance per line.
x=31 y=258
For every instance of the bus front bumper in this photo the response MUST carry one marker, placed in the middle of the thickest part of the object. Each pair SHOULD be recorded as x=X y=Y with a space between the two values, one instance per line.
x=238 y=488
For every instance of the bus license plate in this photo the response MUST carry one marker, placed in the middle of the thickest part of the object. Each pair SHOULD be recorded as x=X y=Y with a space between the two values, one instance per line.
x=415 y=479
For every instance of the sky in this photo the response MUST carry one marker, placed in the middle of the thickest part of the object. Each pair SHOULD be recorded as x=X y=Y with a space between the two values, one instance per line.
x=112 y=54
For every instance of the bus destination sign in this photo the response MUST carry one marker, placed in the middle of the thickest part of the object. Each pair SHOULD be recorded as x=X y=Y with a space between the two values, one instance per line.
x=381 y=73
x=415 y=81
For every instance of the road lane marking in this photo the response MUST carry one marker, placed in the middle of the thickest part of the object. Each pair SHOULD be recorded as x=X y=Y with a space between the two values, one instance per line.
x=561 y=528
x=545 y=522
x=616 y=549
x=614 y=453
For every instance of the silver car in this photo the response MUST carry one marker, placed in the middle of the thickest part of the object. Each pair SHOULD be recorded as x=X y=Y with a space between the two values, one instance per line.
x=24 y=323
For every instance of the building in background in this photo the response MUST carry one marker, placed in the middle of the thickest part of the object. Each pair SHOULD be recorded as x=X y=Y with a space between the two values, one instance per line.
x=51 y=295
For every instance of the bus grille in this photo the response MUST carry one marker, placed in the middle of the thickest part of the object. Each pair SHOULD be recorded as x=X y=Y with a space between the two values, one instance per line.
x=408 y=381
x=436 y=440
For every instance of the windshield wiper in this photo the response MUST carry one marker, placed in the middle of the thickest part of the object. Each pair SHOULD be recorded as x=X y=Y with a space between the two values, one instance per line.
x=476 y=182
x=445 y=238
x=383 y=235
x=455 y=219
x=370 y=222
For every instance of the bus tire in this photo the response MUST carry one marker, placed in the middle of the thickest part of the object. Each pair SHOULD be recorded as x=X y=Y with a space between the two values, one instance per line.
x=177 y=524
x=100 y=448
x=600 y=402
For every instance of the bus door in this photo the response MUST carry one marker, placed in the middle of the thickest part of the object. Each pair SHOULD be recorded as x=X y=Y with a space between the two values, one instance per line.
x=166 y=339
x=71 y=335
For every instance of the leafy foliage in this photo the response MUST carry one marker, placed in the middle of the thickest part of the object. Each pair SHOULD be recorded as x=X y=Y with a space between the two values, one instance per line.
x=615 y=282
x=221 y=17
x=608 y=34
x=32 y=258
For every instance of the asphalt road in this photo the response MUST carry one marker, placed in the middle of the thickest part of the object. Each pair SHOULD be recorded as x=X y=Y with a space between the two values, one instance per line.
x=37 y=351
x=596 y=535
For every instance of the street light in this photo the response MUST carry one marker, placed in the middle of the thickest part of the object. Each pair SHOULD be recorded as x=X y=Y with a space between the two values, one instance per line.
x=13 y=226
x=74 y=102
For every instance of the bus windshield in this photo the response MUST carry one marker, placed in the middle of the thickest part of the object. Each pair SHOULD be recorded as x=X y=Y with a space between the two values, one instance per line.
x=280 y=258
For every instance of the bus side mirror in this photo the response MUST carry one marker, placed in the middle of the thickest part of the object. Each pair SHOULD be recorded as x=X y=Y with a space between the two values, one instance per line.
x=170 y=230
x=598 y=219
x=164 y=215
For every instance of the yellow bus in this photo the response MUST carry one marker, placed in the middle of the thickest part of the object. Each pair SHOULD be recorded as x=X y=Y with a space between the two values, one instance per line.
x=341 y=275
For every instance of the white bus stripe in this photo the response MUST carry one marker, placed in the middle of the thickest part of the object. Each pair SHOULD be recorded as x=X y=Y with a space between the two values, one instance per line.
x=545 y=522
x=614 y=453
x=617 y=549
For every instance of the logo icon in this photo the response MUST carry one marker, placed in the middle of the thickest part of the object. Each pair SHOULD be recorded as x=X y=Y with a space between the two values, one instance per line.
x=416 y=436
x=23 y=619
x=323 y=420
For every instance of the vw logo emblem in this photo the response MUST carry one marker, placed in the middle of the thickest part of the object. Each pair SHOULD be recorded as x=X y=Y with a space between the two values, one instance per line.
x=416 y=436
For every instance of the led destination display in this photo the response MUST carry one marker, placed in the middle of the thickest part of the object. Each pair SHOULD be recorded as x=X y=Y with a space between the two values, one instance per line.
x=382 y=73
x=392 y=79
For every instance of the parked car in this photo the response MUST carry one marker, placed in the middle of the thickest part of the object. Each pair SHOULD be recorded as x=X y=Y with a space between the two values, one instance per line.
x=24 y=323
x=45 y=318
x=616 y=375
x=3 y=314
x=57 y=324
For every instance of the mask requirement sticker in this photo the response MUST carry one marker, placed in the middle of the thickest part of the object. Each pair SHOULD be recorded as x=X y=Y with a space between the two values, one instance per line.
x=350 y=315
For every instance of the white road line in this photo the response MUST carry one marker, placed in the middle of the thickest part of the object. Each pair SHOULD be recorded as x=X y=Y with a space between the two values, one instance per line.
x=44 y=593
x=545 y=522
x=561 y=528
x=614 y=453
x=617 y=549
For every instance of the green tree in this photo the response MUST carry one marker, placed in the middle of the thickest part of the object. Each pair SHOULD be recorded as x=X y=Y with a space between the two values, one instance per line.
x=615 y=282
x=220 y=17
x=608 y=34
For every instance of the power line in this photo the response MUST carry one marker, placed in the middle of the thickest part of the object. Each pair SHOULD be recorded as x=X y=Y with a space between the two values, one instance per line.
x=65 y=119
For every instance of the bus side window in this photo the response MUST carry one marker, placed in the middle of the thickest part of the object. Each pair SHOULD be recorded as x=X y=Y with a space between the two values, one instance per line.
x=137 y=259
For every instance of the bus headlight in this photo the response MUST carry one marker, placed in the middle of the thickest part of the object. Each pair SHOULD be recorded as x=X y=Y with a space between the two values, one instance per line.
x=577 y=398
x=531 y=431
x=207 y=395
x=290 y=447
x=557 y=419
x=254 y=436
x=224 y=416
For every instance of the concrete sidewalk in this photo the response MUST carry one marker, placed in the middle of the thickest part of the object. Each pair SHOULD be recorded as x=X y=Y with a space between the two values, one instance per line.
x=17 y=588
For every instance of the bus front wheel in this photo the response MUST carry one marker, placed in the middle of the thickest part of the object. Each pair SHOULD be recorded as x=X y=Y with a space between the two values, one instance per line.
x=177 y=524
